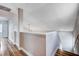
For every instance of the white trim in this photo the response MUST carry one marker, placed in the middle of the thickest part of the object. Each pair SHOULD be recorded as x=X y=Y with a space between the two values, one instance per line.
x=17 y=46
x=26 y=52
x=12 y=41
x=43 y=33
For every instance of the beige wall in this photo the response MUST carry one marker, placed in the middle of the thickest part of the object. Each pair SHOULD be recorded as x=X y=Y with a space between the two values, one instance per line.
x=34 y=44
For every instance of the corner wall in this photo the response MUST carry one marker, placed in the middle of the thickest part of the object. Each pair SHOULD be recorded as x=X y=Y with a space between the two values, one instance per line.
x=67 y=40
x=52 y=43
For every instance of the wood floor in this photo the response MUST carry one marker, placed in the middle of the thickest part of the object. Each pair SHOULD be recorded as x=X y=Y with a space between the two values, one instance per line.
x=64 y=53
x=8 y=49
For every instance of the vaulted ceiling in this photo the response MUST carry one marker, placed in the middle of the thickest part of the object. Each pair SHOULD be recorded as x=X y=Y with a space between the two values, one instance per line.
x=44 y=17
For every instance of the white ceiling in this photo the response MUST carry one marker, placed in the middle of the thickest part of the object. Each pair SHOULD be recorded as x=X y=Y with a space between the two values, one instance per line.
x=50 y=17
x=45 y=17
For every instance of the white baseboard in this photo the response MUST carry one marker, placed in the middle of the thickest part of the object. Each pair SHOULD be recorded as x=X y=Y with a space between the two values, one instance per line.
x=26 y=52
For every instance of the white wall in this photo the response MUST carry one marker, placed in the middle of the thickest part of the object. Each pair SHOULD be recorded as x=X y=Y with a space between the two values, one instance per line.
x=76 y=32
x=52 y=43
x=59 y=40
x=11 y=30
x=67 y=41
x=34 y=44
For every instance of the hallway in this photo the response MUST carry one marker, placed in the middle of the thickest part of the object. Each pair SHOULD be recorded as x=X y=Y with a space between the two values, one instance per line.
x=8 y=49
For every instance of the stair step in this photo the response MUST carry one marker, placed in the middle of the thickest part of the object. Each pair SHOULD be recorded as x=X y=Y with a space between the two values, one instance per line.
x=64 y=53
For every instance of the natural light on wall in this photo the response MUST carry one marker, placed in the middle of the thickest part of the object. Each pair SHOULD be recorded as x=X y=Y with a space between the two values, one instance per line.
x=0 y=27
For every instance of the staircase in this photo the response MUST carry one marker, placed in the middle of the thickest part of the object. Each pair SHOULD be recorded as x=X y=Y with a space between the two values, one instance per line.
x=64 y=53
